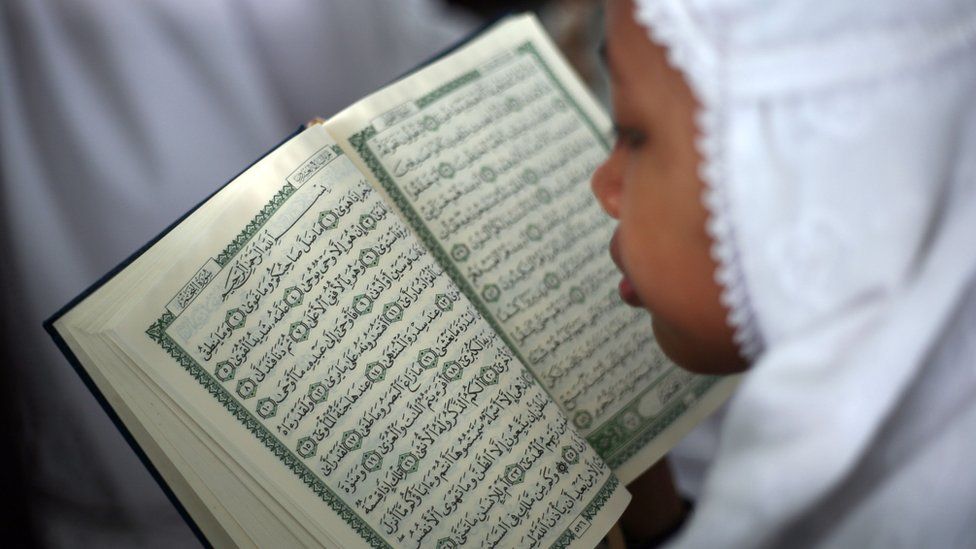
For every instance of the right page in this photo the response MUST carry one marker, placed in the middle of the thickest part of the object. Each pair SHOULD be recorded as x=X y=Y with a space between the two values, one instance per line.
x=488 y=153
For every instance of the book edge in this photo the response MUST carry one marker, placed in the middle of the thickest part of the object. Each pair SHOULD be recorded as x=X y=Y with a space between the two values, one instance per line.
x=65 y=349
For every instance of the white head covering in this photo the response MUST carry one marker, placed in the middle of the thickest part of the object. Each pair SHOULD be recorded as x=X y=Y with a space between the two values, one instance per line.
x=839 y=146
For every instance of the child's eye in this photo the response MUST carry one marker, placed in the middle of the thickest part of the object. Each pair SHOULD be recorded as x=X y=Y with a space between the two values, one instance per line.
x=630 y=138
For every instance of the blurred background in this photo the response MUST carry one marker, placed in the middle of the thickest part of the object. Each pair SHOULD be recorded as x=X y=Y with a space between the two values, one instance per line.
x=118 y=116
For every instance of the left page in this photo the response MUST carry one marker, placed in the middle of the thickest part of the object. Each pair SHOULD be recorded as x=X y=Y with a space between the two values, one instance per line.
x=303 y=328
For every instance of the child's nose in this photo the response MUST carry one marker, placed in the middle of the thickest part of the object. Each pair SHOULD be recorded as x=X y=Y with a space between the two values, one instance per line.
x=606 y=187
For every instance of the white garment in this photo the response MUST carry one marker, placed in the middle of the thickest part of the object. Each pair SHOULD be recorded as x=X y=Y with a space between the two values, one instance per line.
x=116 y=117
x=839 y=146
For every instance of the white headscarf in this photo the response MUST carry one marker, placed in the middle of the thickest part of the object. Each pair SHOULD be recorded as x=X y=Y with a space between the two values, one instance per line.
x=839 y=146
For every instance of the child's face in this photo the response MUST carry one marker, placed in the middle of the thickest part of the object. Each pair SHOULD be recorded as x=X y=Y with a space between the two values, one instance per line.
x=650 y=184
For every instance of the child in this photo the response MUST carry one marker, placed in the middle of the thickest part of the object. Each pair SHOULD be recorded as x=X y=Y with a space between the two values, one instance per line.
x=795 y=184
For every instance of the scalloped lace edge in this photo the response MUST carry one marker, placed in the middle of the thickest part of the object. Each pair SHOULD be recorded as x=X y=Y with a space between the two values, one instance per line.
x=670 y=26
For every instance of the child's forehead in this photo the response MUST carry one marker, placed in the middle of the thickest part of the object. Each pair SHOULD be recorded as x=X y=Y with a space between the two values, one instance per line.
x=626 y=46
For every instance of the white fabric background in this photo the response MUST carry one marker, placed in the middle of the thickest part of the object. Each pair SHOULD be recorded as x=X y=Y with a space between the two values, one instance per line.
x=838 y=140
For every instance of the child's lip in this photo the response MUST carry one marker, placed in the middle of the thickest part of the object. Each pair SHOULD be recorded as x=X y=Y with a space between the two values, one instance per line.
x=627 y=292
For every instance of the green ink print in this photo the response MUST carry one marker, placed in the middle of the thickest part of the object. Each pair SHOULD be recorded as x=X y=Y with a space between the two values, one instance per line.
x=570 y=455
x=451 y=371
x=582 y=419
x=298 y=331
x=487 y=174
x=430 y=123
x=362 y=304
x=488 y=376
x=427 y=359
x=460 y=252
x=375 y=372
x=293 y=296
x=306 y=447
x=225 y=371
x=372 y=461
x=491 y=293
x=369 y=257
x=235 y=318
x=443 y=302
x=266 y=408
x=366 y=222
x=318 y=392
x=408 y=463
x=329 y=220
x=246 y=388
x=445 y=170
x=352 y=440
x=514 y=474
x=392 y=312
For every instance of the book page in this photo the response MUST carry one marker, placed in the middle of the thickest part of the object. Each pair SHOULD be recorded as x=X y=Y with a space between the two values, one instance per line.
x=322 y=345
x=488 y=154
x=220 y=496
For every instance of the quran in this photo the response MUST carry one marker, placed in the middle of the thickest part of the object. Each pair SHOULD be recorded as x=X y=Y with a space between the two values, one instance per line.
x=399 y=328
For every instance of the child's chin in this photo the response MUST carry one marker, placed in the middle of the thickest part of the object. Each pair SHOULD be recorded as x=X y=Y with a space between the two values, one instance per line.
x=691 y=353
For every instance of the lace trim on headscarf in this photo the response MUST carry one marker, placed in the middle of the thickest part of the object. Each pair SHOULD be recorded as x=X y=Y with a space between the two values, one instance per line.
x=692 y=55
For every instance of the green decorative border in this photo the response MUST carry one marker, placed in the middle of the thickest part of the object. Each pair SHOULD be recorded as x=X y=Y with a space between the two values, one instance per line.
x=614 y=433
x=591 y=510
x=157 y=332
x=359 y=142
x=530 y=49
x=447 y=88
x=252 y=228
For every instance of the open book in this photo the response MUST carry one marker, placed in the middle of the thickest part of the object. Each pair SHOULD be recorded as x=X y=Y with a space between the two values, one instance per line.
x=399 y=328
